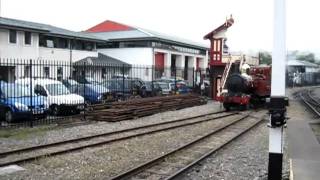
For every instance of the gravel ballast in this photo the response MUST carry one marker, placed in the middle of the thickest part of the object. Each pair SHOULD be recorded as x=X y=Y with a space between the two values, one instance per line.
x=245 y=158
x=109 y=160
x=44 y=135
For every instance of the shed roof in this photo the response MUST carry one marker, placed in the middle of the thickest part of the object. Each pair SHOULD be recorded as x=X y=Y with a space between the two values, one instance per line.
x=295 y=62
x=45 y=29
x=102 y=59
x=113 y=31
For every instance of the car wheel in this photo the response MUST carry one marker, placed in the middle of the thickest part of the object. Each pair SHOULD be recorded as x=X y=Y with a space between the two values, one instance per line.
x=8 y=116
x=55 y=110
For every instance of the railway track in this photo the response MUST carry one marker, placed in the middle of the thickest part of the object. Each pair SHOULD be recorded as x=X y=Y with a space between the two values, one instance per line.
x=27 y=154
x=177 y=161
x=310 y=101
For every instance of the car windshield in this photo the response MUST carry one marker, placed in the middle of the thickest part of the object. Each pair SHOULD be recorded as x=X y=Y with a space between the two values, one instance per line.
x=57 y=89
x=14 y=91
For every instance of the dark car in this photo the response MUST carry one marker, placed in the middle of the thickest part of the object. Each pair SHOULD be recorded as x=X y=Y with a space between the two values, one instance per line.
x=92 y=93
x=86 y=80
x=125 y=88
x=181 y=88
x=152 y=89
x=70 y=84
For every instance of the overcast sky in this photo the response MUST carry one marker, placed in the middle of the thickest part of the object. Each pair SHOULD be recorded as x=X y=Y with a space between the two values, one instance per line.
x=190 y=19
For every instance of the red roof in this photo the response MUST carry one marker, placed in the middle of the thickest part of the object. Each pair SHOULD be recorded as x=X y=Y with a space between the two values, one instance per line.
x=108 y=26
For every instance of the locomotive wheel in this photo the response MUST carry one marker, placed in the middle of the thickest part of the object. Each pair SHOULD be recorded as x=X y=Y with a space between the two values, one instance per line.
x=226 y=106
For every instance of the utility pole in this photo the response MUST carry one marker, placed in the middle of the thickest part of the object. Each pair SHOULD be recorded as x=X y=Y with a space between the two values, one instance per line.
x=278 y=102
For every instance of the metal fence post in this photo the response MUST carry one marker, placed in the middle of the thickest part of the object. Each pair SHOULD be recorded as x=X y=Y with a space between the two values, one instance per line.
x=31 y=89
x=193 y=78
x=175 y=80
x=123 y=68
x=84 y=92
x=152 y=78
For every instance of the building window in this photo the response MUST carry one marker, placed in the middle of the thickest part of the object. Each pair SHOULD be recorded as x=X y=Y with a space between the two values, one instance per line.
x=27 y=38
x=49 y=43
x=46 y=72
x=63 y=43
x=12 y=36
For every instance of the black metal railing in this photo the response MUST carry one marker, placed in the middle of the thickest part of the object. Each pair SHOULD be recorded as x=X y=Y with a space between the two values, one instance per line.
x=36 y=91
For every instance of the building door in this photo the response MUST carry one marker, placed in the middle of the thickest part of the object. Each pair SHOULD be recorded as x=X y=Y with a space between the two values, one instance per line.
x=159 y=65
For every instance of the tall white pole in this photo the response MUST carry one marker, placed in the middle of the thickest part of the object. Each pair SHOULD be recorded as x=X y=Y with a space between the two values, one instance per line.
x=278 y=102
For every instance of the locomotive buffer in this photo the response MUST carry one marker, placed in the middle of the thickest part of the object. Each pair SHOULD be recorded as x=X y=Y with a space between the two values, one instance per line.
x=278 y=102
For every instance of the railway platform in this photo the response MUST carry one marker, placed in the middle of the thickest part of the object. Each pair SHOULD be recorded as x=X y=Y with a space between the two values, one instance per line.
x=303 y=146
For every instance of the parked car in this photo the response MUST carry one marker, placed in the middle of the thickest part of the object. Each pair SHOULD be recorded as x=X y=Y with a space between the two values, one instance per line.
x=152 y=89
x=125 y=89
x=59 y=98
x=87 y=80
x=17 y=102
x=181 y=88
x=71 y=84
x=92 y=93
x=165 y=88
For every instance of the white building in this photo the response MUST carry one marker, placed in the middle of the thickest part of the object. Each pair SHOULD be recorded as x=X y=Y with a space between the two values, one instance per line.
x=41 y=50
x=51 y=50
x=139 y=46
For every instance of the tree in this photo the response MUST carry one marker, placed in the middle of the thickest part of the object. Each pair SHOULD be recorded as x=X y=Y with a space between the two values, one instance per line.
x=307 y=57
x=265 y=58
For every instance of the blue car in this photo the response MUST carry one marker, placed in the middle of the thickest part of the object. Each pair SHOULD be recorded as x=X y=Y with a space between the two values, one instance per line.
x=16 y=102
x=181 y=88
x=92 y=93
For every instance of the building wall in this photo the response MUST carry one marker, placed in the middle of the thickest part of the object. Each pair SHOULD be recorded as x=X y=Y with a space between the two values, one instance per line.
x=181 y=58
x=64 y=54
x=16 y=56
x=18 y=50
x=140 y=56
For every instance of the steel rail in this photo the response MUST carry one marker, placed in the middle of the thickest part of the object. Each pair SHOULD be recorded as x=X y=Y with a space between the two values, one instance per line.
x=189 y=166
x=312 y=107
x=136 y=170
x=106 y=141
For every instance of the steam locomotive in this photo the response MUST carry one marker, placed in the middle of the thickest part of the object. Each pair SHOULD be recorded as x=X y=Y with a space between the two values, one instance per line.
x=247 y=89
